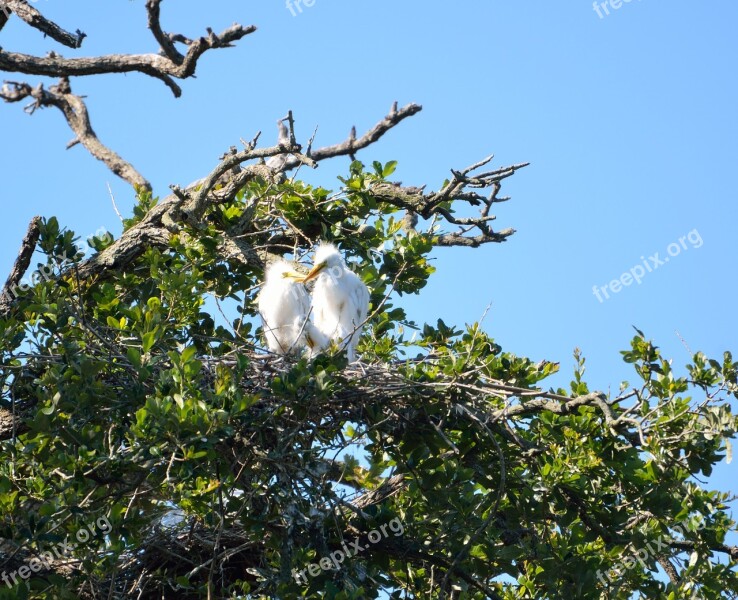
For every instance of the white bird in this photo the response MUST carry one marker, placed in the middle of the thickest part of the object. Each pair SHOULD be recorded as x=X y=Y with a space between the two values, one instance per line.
x=340 y=299
x=284 y=306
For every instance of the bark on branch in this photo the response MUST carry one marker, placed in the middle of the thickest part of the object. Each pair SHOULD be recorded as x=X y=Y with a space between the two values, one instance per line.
x=28 y=246
x=75 y=112
x=166 y=41
x=35 y=19
x=172 y=64
x=460 y=189
x=188 y=204
x=350 y=146
x=154 y=65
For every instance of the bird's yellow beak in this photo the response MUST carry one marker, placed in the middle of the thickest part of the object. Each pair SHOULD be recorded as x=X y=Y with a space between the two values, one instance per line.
x=292 y=275
x=314 y=272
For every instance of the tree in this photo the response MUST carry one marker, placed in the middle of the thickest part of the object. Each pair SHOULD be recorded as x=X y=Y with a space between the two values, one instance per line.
x=155 y=450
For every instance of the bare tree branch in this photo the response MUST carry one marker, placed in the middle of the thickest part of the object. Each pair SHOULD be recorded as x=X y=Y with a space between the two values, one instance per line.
x=172 y=65
x=3 y=17
x=75 y=111
x=36 y=20
x=153 y=65
x=350 y=146
x=165 y=41
x=460 y=188
x=428 y=205
x=28 y=246
x=189 y=203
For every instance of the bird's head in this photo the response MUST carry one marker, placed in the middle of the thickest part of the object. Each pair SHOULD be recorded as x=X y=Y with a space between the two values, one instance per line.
x=326 y=256
x=281 y=269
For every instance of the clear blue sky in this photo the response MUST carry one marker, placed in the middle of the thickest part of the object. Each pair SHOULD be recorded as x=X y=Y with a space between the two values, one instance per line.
x=629 y=121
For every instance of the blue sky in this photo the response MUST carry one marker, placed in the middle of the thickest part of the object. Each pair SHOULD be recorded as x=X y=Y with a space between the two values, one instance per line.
x=629 y=122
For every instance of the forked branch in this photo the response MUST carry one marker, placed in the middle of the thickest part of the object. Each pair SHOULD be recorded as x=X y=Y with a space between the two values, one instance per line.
x=460 y=189
x=352 y=145
x=75 y=112
x=173 y=65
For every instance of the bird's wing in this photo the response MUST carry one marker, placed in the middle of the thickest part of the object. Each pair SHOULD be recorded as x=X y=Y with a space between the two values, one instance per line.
x=354 y=306
x=324 y=308
x=360 y=300
x=303 y=299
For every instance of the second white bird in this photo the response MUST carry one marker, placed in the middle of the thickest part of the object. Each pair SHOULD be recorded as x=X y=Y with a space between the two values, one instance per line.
x=340 y=301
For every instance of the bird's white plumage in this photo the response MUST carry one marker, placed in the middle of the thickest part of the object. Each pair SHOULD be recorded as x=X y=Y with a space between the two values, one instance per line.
x=340 y=299
x=315 y=340
x=284 y=306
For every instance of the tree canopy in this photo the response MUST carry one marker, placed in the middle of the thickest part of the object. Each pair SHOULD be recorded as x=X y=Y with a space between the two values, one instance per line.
x=154 y=449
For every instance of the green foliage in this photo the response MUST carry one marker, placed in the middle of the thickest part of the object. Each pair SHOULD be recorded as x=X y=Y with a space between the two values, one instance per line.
x=145 y=402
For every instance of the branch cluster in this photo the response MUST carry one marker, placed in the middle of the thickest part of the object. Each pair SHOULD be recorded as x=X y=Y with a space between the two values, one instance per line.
x=461 y=189
x=168 y=65
x=187 y=205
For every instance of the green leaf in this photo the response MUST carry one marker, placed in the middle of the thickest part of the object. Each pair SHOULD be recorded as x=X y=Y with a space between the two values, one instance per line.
x=148 y=340
x=389 y=168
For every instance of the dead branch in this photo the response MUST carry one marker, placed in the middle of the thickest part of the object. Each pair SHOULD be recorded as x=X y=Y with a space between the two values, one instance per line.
x=167 y=67
x=154 y=65
x=35 y=19
x=20 y=266
x=198 y=201
x=458 y=190
x=75 y=112
x=187 y=204
x=172 y=65
x=166 y=41
x=351 y=145
x=462 y=187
